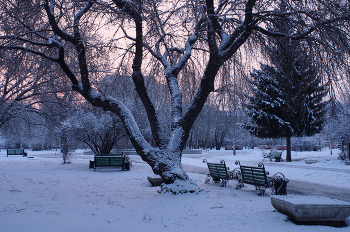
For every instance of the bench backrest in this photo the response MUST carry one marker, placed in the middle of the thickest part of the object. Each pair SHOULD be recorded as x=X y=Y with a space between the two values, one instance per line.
x=218 y=170
x=274 y=154
x=15 y=151
x=109 y=161
x=116 y=161
x=254 y=175
x=109 y=154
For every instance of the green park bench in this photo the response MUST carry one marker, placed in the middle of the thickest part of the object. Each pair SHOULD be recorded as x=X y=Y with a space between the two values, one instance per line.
x=218 y=172
x=110 y=160
x=16 y=152
x=276 y=155
x=258 y=177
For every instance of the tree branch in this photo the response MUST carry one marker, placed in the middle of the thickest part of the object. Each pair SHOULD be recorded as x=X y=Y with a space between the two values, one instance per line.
x=54 y=24
x=78 y=43
x=137 y=75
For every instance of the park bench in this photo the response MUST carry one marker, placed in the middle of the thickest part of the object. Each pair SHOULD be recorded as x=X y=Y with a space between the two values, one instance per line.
x=276 y=155
x=218 y=172
x=258 y=177
x=110 y=160
x=16 y=152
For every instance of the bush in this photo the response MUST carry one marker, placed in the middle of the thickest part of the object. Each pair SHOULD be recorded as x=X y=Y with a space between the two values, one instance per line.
x=305 y=144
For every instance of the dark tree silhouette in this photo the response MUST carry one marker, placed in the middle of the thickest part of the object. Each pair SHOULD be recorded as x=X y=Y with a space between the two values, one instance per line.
x=287 y=97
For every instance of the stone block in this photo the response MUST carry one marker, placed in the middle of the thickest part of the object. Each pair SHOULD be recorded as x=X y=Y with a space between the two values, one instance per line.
x=88 y=153
x=310 y=161
x=312 y=208
x=155 y=180
x=129 y=152
x=192 y=151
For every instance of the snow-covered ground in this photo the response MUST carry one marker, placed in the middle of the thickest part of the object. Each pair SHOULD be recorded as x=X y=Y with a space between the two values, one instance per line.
x=42 y=194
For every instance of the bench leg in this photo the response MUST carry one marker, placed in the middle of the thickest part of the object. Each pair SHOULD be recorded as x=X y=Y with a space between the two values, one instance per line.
x=126 y=167
x=261 y=190
x=207 y=179
x=223 y=183
x=239 y=185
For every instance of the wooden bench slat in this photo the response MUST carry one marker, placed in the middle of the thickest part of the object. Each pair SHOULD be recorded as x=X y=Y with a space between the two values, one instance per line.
x=254 y=181
x=109 y=155
x=217 y=170
x=101 y=161
x=254 y=176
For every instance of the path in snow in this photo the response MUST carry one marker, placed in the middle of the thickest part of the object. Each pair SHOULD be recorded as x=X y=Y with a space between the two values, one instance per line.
x=299 y=187
x=296 y=187
x=308 y=167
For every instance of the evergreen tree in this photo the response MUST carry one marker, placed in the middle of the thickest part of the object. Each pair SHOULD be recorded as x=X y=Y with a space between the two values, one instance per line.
x=287 y=96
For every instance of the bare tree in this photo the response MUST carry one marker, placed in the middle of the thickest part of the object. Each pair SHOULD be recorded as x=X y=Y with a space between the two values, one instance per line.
x=21 y=79
x=100 y=132
x=174 y=33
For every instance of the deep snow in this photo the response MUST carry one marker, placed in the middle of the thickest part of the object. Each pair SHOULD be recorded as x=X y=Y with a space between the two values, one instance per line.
x=42 y=194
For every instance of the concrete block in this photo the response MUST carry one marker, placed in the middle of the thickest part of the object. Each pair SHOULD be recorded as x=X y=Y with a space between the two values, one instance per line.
x=312 y=208
x=310 y=161
x=129 y=152
x=88 y=153
x=155 y=180
x=192 y=151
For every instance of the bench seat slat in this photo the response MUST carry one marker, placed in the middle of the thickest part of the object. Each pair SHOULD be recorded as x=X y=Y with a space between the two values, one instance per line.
x=254 y=181
x=254 y=177
x=217 y=170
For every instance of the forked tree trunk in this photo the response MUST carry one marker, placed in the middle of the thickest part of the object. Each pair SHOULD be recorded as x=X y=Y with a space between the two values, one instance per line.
x=167 y=164
x=166 y=159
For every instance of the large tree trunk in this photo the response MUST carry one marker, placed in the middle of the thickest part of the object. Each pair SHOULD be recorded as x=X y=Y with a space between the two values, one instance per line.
x=289 y=152
x=168 y=165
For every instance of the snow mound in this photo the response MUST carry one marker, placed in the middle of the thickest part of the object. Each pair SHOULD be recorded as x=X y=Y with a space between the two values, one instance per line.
x=180 y=187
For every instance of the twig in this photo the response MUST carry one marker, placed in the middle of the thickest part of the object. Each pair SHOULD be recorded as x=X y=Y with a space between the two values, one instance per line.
x=163 y=222
x=147 y=217
x=14 y=189
x=217 y=206
x=53 y=212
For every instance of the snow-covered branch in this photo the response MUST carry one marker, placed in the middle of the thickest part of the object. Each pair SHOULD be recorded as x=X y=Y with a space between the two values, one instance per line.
x=33 y=51
x=78 y=43
x=56 y=29
x=302 y=35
